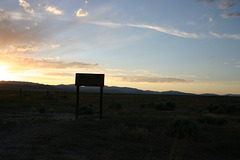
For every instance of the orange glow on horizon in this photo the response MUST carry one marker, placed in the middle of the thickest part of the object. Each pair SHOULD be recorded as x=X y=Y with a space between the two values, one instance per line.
x=4 y=73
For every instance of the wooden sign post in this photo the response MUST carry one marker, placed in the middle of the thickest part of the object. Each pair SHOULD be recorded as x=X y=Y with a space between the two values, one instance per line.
x=96 y=80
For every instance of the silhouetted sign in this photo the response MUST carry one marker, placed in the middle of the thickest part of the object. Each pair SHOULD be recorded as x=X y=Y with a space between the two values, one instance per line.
x=89 y=79
x=96 y=80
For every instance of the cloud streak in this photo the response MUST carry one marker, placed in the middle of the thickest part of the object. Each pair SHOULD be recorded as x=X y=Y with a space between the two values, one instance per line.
x=154 y=79
x=22 y=64
x=172 y=31
x=46 y=63
x=231 y=36
x=223 y=4
x=59 y=74
x=226 y=4
x=25 y=47
x=234 y=15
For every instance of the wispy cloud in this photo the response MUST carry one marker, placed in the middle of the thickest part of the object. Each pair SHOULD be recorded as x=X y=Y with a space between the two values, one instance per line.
x=107 y=24
x=81 y=13
x=53 y=10
x=171 y=31
x=26 y=48
x=236 y=15
x=225 y=4
x=22 y=64
x=12 y=33
x=26 y=6
x=232 y=36
x=222 y=4
x=46 y=63
x=59 y=74
x=154 y=79
x=206 y=1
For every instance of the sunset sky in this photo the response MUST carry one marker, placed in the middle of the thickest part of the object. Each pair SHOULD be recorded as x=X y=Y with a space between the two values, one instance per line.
x=182 y=45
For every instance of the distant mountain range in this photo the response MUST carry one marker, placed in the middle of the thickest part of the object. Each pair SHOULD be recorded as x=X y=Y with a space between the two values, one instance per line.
x=16 y=85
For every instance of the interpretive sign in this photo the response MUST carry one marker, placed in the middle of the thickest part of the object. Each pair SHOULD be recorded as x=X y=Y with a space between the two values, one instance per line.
x=89 y=79
x=95 y=80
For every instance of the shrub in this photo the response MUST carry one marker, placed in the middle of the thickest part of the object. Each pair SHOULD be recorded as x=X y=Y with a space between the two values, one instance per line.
x=182 y=128
x=142 y=106
x=212 y=120
x=160 y=106
x=51 y=110
x=138 y=133
x=206 y=119
x=133 y=134
x=43 y=108
x=86 y=110
x=34 y=109
x=221 y=121
x=223 y=109
x=151 y=105
x=116 y=106
x=169 y=106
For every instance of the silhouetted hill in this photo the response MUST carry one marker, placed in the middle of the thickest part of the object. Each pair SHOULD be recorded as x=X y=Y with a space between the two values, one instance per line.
x=235 y=95
x=209 y=94
x=176 y=93
x=16 y=85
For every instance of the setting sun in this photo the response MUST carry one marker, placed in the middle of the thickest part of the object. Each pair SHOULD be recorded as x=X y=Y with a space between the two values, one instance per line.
x=4 y=74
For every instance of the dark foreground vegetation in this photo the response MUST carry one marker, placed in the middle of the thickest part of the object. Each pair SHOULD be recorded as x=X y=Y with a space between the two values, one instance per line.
x=38 y=125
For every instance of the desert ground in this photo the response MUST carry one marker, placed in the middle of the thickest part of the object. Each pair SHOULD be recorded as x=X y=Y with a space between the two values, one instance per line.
x=39 y=125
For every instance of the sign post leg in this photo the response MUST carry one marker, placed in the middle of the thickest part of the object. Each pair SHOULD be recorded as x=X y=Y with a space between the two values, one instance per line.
x=101 y=105
x=77 y=98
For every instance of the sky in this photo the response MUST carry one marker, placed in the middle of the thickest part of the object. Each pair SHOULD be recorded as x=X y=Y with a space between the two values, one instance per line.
x=190 y=46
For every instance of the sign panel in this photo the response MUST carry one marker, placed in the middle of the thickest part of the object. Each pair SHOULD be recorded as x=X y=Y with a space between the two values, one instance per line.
x=89 y=80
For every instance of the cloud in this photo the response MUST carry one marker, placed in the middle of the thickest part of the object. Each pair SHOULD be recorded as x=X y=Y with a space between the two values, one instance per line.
x=154 y=79
x=108 y=24
x=191 y=23
x=232 y=36
x=206 y=1
x=223 y=4
x=54 y=10
x=55 y=45
x=26 y=6
x=210 y=19
x=21 y=63
x=81 y=13
x=21 y=32
x=172 y=31
x=237 y=15
x=226 y=4
x=25 y=48
x=59 y=74
x=46 y=63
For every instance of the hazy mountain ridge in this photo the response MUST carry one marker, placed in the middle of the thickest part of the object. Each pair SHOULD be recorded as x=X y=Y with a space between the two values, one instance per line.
x=16 y=85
